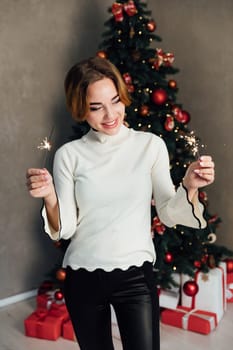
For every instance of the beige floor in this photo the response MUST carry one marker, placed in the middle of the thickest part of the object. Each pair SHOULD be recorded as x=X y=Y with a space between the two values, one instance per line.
x=12 y=334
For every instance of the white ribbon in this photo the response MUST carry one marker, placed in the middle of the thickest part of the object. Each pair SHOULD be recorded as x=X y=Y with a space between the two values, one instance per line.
x=185 y=319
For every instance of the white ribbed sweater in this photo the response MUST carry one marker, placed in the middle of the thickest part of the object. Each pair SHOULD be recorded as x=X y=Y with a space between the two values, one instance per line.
x=104 y=186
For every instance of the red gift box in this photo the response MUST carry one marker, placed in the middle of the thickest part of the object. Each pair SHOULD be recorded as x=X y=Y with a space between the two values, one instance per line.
x=193 y=320
x=229 y=277
x=68 y=331
x=46 y=300
x=60 y=310
x=46 y=324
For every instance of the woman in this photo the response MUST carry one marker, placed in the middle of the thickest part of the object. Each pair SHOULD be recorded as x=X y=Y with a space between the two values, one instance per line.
x=101 y=196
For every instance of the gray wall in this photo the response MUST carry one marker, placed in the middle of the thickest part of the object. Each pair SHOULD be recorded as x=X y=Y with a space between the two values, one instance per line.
x=39 y=40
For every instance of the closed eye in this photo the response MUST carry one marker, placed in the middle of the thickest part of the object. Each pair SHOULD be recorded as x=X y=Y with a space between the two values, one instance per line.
x=95 y=108
x=116 y=99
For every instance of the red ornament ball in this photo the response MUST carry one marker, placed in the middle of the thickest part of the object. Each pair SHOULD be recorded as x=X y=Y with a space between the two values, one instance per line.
x=180 y=115
x=151 y=26
x=177 y=112
x=169 y=123
x=190 y=288
x=172 y=84
x=58 y=295
x=168 y=257
x=185 y=117
x=159 y=96
x=197 y=264
x=229 y=263
x=101 y=54
x=61 y=274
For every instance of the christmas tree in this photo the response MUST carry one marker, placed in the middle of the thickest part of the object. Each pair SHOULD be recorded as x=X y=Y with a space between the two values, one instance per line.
x=128 y=43
x=149 y=75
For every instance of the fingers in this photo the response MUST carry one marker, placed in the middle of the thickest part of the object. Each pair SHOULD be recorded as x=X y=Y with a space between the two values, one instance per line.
x=205 y=169
x=206 y=162
x=37 y=180
x=207 y=176
x=35 y=171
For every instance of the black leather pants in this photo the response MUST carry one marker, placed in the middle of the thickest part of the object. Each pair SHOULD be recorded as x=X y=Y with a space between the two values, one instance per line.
x=133 y=295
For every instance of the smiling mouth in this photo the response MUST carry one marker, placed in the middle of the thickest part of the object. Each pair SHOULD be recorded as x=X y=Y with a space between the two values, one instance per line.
x=111 y=124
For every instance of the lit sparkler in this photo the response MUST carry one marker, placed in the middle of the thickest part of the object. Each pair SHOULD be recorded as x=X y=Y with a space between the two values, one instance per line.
x=46 y=145
x=193 y=143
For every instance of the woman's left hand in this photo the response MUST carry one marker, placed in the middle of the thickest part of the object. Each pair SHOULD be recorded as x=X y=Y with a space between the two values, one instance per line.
x=199 y=173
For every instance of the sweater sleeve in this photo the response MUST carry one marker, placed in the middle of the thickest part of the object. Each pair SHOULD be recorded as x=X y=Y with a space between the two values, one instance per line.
x=173 y=206
x=64 y=186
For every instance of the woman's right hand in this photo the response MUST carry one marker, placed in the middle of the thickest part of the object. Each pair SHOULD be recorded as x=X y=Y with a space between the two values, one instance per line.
x=40 y=183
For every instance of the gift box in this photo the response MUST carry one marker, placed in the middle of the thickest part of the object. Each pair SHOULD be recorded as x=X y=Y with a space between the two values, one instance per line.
x=212 y=291
x=199 y=321
x=229 y=277
x=44 y=301
x=46 y=324
x=68 y=331
x=169 y=298
x=47 y=299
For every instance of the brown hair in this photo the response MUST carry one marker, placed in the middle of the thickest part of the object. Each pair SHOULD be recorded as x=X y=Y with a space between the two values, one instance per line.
x=81 y=75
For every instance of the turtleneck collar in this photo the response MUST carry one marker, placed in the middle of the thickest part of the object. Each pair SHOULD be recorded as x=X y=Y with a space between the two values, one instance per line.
x=105 y=138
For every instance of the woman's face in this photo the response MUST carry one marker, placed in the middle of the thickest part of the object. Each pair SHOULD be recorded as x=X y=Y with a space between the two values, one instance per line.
x=105 y=110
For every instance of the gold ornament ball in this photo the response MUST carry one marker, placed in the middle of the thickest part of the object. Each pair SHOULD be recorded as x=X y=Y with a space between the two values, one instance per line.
x=61 y=274
x=172 y=84
x=151 y=26
x=101 y=54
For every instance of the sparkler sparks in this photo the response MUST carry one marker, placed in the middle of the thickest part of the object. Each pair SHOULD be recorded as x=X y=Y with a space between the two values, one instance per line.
x=193 y=143
x=45 y=144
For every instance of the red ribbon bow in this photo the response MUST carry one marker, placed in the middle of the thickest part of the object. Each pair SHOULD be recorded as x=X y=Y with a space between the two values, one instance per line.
x=158 y=226
x=163 y=58
x=129 y=8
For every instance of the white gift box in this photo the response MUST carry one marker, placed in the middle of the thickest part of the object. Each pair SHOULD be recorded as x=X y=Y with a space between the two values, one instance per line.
x=169 y=298
x=212 y=291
